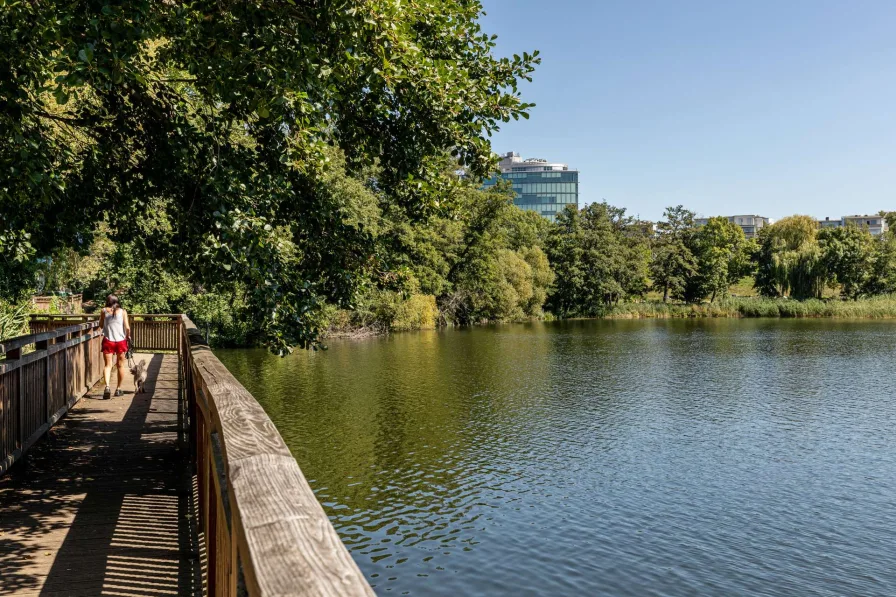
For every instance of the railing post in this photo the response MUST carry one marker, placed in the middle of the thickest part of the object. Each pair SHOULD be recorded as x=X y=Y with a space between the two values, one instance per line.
x=45 y=345
x=13 y=355
x=65 y=384
x=211 y=516
x=85 y=350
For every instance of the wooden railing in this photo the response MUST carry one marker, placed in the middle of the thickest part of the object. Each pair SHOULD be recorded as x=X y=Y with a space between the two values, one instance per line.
x=42 y=322
x=37 y=388
x=259 y=515
x=265 y=532
x=148 y=332
x=72 y=303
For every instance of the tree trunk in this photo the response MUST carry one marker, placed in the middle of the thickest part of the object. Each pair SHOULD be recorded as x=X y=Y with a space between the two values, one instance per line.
x=666 y=293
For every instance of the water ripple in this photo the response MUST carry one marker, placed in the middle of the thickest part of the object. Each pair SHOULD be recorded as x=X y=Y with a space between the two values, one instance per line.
x=617 y=458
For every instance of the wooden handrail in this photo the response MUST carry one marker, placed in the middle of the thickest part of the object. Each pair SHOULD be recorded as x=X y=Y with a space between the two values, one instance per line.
x=149 y=331
x=38 y=388
x=265 y=532
x=258 y=512
x=22 y=341
x=96 y=315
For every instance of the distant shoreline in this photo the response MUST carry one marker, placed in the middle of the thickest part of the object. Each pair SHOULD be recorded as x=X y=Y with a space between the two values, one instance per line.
x=879 y=307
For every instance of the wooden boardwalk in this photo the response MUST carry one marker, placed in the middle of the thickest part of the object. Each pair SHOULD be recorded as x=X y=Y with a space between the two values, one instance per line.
x=104 y=504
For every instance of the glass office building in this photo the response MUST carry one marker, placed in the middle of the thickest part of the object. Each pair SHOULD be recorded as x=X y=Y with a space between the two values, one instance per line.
x=539 y=186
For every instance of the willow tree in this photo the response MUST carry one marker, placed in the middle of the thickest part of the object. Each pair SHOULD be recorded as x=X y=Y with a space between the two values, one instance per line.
x=214 y=119
x=790 y=260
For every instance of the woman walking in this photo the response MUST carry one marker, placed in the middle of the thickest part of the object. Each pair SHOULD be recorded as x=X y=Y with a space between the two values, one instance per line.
x=116 y=334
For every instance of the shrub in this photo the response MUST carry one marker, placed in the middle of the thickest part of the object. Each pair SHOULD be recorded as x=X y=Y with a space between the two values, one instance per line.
x=874 y=307
x=13 y=320
x=418 y=312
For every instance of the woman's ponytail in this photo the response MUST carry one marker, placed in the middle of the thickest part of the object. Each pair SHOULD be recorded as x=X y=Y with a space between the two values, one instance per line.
x=112 y=303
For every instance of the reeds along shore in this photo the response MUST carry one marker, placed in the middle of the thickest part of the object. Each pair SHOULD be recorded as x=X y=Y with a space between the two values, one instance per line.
x=878 y=307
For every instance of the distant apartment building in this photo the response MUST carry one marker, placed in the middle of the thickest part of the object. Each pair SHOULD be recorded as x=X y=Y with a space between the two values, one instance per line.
x=750 y=224
x=829 y=223
x=876 y=224
x=538 y=185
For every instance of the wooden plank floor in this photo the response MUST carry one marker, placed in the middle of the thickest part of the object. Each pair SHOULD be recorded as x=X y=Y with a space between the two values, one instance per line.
x=103 y=505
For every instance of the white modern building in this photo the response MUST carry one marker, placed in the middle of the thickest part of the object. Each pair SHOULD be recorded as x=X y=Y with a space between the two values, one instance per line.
x=876 y=224
x=538 y=185
x=750 y=224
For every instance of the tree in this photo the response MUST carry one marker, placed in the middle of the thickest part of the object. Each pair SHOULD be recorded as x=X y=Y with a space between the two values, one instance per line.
x=480 y=256
x=599 y=256
x=789 y=260
x=889 y=217
x=722 y=253
x=498 y=271
x=216 y=118
x=847 y=258
x=673 y=262
x=882 y=277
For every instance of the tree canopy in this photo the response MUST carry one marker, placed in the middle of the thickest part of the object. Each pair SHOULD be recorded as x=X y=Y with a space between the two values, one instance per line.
x=847 y=258
x=789 y=259
x=202 y=134
x=673 y=262
x=600 y=256
x=723 y=256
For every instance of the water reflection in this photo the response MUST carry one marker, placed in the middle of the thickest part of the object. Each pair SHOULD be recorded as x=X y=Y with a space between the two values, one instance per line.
x=616 y=457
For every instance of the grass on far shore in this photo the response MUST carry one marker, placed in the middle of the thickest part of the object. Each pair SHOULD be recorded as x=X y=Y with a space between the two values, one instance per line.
x=878 y=307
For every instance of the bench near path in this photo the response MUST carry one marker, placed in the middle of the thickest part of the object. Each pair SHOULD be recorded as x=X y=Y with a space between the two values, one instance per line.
x=103 y=505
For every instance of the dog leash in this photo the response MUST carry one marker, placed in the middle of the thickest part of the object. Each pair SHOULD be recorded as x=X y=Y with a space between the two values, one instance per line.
x=130 y=354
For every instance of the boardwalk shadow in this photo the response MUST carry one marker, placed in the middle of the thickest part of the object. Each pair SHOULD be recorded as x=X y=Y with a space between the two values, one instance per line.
x=103 y=506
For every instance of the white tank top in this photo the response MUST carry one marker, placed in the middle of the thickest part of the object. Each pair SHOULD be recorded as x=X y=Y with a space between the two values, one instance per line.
x=113 y=326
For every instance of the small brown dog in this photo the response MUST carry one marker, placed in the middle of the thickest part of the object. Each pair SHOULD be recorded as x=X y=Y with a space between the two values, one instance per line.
x=139 y=373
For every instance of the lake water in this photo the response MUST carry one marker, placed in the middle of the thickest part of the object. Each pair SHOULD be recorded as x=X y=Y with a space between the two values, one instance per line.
x=710 y=457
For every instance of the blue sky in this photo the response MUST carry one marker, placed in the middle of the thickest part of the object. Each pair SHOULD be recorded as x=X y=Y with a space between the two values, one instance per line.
x=724 y=106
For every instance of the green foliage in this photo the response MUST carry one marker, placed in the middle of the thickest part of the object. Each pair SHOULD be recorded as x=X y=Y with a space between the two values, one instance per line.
x=878 y=307
x=600 y=257
x=723 y=256
x=203 y=133
x=480 y=257
x=417 y=312
x=384 y=311
x=13 y=320
x=890 y=218
x=789 y=260
x=673 y=263
x=847 y=258
x=511 y=286
x=17 y=264
x=882 y=277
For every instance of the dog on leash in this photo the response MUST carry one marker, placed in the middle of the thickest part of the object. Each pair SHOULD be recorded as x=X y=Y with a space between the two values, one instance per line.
x=139 y=373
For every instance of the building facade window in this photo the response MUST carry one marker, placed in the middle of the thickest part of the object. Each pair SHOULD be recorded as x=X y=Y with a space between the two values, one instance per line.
x=544 y=188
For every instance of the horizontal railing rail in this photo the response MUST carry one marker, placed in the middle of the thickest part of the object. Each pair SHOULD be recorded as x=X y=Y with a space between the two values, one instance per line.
x=38 y=387
x=261 y=519
x=43 y=322
x=149 y=332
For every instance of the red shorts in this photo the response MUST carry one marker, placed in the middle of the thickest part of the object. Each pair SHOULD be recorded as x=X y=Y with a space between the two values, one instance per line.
x=110 y=347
